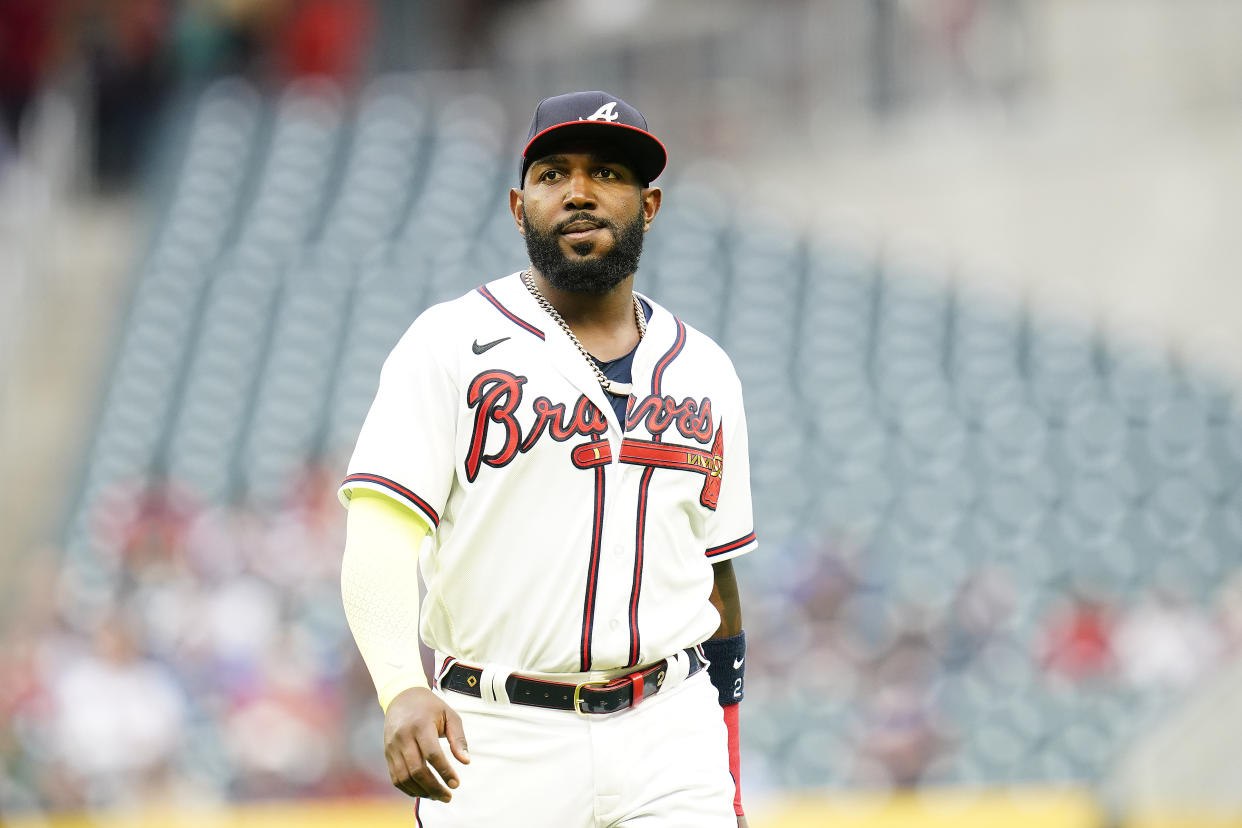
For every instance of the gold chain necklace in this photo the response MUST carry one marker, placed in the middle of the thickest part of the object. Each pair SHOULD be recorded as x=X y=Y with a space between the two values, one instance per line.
x=617 y=389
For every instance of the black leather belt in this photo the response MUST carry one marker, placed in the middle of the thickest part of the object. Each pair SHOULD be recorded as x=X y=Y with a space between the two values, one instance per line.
x=587 y=697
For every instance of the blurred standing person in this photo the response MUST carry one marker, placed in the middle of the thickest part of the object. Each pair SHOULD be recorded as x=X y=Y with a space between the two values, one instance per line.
x=1228 y=614
x=325 y=39
x=219 y=37
x=126 y=45
x=119 y=717
x=1165 y=640
x=1078 y=640
x=900 y=736
x=27 y=47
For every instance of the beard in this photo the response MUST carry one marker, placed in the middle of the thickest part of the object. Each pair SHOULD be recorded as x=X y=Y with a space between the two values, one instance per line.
x=591 y=276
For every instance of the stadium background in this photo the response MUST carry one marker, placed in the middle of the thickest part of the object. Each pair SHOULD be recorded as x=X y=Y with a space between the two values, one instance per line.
x=976 y=263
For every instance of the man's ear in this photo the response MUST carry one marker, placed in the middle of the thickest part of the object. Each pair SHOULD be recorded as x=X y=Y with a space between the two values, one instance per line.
x=516 y=208
x=652 y=198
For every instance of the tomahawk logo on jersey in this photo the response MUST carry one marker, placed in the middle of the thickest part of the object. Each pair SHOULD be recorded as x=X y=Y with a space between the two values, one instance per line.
x=484 y=408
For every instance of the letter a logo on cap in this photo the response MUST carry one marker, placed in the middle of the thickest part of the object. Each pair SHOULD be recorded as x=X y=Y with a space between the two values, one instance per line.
x=607 y=112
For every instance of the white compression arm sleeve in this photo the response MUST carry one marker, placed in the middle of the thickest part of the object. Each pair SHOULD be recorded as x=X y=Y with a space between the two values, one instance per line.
x=379 y=588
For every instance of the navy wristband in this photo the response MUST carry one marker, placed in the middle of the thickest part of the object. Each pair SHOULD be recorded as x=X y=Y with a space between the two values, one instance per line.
x=727 y=667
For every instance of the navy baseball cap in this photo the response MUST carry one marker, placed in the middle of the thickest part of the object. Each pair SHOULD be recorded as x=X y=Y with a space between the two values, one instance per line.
x=591 y=117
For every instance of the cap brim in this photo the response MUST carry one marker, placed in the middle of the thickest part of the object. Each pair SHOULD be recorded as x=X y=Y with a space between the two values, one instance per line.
x=645 y=150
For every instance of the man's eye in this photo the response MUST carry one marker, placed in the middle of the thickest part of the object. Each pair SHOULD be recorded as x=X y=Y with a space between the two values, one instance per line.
x=605 y=172
x=549 y=175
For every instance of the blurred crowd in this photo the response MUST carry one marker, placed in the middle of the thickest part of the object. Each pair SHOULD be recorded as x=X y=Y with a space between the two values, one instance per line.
x=879 y=691
x=220 y=666
x=125 y=59
x=123 y=62
x=1163 y=639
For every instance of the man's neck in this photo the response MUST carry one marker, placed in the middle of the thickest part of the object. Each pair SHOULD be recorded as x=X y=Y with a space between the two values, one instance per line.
x=604 y=323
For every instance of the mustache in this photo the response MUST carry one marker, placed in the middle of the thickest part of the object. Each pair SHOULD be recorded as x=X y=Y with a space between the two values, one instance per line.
x=585 y=216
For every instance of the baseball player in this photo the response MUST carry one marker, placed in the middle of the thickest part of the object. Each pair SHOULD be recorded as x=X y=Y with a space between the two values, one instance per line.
x=567 y=461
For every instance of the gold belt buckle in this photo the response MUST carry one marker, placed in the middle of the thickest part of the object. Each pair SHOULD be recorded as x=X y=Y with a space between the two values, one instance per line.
x=578 y=695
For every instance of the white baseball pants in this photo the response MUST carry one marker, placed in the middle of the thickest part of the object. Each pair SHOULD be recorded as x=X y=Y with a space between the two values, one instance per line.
x=664 y=764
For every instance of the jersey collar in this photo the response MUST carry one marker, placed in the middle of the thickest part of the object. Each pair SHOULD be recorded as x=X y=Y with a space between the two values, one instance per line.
x=665 y=336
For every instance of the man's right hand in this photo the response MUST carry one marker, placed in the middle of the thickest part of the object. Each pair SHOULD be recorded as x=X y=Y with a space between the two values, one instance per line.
x=413 y=725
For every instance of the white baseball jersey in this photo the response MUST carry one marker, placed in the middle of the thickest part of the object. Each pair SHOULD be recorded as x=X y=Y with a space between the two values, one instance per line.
x=563 y=539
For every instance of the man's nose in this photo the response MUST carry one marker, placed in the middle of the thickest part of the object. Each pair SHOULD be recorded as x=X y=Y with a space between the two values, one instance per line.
x=580 y=194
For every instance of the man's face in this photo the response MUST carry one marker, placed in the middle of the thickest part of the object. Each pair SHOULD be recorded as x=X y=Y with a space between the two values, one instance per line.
x=583 y=215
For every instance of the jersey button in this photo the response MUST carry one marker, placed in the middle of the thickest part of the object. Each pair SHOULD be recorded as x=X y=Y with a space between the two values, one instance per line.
x=614 y=623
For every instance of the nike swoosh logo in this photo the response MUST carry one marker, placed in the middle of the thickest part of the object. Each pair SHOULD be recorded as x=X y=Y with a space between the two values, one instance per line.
x=737 y=663
x=480 y=349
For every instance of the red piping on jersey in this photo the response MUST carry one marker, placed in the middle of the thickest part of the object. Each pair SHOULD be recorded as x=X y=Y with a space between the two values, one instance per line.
x=657 y=376
x=730 y=546
x=597 y=533
x=640 y=530
x=508 y=314
x=397 y=488
x=640 y=536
